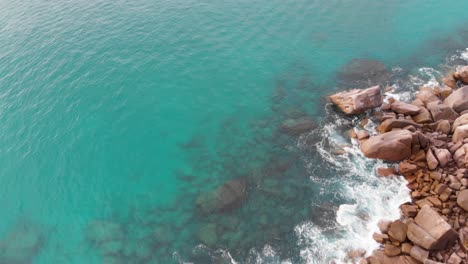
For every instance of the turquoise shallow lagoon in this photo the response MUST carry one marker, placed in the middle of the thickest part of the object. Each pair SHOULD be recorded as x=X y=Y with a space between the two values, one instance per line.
x=117 y=116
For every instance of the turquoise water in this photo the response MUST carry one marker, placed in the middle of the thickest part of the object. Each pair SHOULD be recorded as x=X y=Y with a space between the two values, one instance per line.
x=125 y=111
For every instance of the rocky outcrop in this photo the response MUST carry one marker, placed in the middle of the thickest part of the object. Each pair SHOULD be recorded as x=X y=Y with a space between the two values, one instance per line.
x=430 y=231
x=462 y=74
x=391 y=146
x=430 y=138
x=458 y=100
x=357 y=101
x=441 y=111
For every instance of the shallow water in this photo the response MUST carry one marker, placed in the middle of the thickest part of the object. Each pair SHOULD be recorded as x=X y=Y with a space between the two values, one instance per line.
x=125 y=112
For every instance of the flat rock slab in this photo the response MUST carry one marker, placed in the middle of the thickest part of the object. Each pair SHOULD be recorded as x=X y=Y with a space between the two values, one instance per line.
x=357 y=101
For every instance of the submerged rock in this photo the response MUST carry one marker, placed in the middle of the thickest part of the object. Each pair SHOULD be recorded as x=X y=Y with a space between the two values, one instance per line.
x=357 y=101
x=229 y=196
x=21 y=245
x=207 y=235
x=100 y=231
x=363 y=72
x=297 y=126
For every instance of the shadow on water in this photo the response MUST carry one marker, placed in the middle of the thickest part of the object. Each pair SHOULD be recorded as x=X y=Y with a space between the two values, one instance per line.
x=22 y=243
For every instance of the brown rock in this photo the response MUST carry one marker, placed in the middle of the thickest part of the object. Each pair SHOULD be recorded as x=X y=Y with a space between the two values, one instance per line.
x=397 y=231
x=435 y=201
x=462 y=199
x=406 y=248
x=454 y=259
x=404 y=108
x=462 y=74
x=463 y=238
x=393 y=123
x=419 y=253
x=446 y=92
x=391 y=250
x=423 y=117
x=409 y=210
x=380 y=238
x=407 y=168
x=426 y=95
x=420 y=156
x=461 y=132
x=384 y=226
x=439 y=189
x=441 y=111
x=432 y=162
x=430 y=231
x=443 y=127
x=384 y=172
x=357 y=101
x=458 y=100
x=460 y=121
x=460 y=156
x=362 y=134
x=391 y=146
x=450 y=81
x=443 y=156
x=379 y=257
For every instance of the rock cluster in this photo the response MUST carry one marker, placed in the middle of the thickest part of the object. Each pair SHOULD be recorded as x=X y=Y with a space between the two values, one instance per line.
x=429 y=137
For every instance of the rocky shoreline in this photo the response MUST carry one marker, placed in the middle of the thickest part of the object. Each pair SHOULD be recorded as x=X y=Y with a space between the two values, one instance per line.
x=429 y=139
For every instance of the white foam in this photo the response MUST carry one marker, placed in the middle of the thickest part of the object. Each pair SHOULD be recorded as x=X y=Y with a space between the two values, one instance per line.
x=464 y=55
x=373 y=198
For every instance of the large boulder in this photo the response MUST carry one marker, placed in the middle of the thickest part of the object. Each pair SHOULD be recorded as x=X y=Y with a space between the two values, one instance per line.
x=443 y=156
x=427 y=95
x=423 y=117
x=461 y=132
x=462 y=74
x=398 y=231
x=462 y=199
x=441 y=111
x=357 y=101
x=430 y=231
x=404 y=108
x=462 y=120
x=229 y=196
x=392 y=123
x=379 y=257
x=391 y=146
x=458 y=100
x=461 y=156
x=432 y=161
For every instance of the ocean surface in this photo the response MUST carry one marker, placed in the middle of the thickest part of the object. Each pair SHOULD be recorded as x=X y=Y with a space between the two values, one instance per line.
x=117 y=116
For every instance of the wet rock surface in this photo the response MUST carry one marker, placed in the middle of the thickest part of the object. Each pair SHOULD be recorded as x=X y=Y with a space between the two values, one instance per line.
x=357 y=101
x=430 y=138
